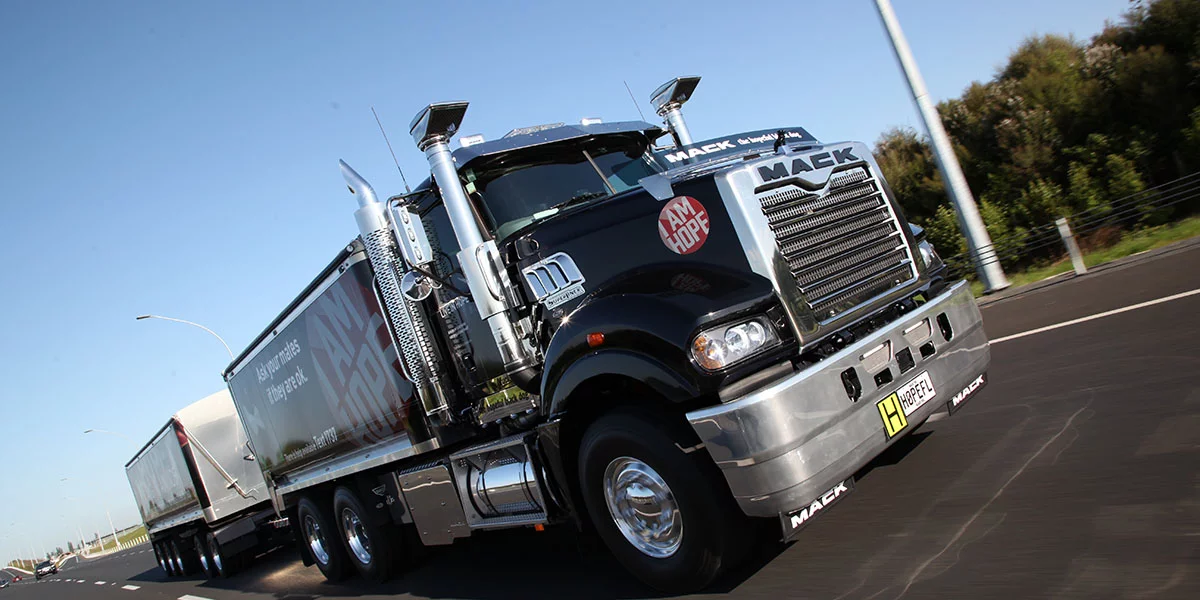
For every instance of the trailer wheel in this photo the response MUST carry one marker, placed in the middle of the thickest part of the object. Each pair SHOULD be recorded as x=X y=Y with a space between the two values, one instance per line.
x=222 y=566
x=162 y=558
x=660 y=511
x=320 y=539
x=206 y=567
x=371 y=548
x=177 y=558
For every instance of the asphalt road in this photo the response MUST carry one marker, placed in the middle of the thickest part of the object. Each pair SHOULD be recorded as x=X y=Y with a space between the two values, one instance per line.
x=1073 y=475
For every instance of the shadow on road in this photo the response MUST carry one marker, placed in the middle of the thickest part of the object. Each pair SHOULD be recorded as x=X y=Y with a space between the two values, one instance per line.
x=497 y=565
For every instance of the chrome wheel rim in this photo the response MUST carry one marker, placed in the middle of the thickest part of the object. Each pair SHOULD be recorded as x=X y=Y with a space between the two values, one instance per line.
x=203 y=556
x=162 y=561
x=215 y=550
x=176 y=560
x=643 y=508
x=356 y=536
x=316 y=540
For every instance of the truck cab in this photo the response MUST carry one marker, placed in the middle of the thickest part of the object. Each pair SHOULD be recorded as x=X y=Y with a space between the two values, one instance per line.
x=655 y=338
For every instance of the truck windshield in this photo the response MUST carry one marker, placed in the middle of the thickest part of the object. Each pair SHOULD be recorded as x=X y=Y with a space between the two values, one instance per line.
x=539 y=184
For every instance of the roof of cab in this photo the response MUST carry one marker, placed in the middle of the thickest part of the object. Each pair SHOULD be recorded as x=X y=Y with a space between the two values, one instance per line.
x=465 y=155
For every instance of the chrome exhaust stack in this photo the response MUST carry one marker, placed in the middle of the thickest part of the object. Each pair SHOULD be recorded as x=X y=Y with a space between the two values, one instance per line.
x=667 y=101
x=486 y=277
x=419 y=357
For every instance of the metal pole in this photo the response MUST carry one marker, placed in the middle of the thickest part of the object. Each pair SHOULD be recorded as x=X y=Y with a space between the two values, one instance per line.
x=214 y=334
x=1068 y=238
x=116 y=433
x=110 y=526
x=978 y=240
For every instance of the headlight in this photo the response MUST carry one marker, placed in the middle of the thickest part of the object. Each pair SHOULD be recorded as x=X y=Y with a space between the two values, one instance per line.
x=929 y=255
x=722 y=346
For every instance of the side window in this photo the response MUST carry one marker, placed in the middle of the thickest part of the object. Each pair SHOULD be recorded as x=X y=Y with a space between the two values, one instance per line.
x=468 y=338
x=441 y=238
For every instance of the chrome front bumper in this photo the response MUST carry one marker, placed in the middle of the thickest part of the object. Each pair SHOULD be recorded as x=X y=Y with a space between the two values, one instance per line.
x=783 y=445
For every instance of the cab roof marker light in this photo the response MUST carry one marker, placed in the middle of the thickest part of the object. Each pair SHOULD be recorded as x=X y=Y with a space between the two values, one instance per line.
x=590 y=121
x=471 y=140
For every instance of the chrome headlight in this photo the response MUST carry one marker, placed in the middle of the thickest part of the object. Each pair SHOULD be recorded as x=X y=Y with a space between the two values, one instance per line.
x=929 y=255
x=722 y=346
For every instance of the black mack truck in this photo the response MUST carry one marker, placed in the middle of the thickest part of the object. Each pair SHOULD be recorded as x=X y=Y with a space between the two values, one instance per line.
x=571 y=325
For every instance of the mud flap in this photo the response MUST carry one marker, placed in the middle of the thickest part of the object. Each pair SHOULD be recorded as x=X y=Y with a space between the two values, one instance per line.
x=966 y=393
x=795 y=520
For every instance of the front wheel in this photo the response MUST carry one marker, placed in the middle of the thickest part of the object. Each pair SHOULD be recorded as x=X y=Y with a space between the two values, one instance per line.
x=664 y=514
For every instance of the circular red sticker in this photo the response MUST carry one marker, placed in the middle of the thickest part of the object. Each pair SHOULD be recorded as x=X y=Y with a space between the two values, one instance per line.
x=683 y=225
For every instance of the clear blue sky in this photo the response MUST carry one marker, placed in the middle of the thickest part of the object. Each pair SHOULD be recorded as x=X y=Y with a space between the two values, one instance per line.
x=181 y=159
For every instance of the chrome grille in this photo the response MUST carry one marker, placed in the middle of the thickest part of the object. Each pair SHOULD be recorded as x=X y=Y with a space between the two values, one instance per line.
x=843 y=246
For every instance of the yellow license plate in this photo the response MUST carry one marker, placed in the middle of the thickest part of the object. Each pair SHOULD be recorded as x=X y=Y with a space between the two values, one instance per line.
x=895 y=409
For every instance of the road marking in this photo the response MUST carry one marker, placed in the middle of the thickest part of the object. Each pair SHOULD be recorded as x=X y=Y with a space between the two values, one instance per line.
x=191 y=597
x=131 y=587
x=99 y=583
x=1110 y=313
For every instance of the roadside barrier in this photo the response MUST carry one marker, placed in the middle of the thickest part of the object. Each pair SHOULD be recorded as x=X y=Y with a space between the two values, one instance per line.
x=1058 y=239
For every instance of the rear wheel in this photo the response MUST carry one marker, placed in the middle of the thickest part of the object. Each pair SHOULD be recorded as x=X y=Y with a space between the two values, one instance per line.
x=202 y=557
x=161 y=557
x=320 y=539
x=177 y=558
x=369 y=545
x=664 y=514
x=222 y=566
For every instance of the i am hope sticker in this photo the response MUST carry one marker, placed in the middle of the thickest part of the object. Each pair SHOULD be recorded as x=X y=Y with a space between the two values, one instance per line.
x=683 y=225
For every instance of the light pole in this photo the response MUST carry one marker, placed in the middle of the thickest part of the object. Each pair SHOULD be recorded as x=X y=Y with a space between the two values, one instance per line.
x=214 y=334
x=77 y=527
x=111 y=433
x=978 y=240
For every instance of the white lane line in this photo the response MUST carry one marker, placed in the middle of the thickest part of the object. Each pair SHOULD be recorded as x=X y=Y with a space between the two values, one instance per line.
x=99 y=583
x=131 y=587
x=1110 y=313
x=191 y=597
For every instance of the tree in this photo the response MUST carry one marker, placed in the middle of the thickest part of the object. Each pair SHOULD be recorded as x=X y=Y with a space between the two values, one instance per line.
x=1063 y=127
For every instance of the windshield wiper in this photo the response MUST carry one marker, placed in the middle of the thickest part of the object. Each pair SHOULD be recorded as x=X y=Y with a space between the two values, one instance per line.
x=584 y=197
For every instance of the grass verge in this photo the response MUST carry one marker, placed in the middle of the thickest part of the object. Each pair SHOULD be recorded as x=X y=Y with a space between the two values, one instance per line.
x=132 y=534
x=1132 y=242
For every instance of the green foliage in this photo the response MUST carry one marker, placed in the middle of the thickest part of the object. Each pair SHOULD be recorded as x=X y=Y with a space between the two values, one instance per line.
x=1064 y=127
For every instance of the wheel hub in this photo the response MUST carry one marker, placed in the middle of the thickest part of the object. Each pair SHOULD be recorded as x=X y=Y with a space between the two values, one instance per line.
x=214 y=549
x=643 y=507
x=203 y=557
x=356 y=536
x=316 y=540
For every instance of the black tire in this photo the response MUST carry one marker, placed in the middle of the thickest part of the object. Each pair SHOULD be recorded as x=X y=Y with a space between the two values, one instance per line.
x=164 y=560
x=316 y=529
x=181 y=566
x=222 y=564
x=370 y=546
x=709 y=539
x=202 y=557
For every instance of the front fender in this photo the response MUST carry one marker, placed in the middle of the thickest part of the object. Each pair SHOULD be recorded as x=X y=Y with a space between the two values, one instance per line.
x=645 y=338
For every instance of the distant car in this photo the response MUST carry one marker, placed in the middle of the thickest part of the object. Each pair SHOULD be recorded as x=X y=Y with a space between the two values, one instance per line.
x=3 y=583
x=45 y=569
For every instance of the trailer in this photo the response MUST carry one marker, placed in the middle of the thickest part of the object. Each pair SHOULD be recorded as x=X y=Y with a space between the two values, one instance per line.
x=572 y=325
x=201 y=494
